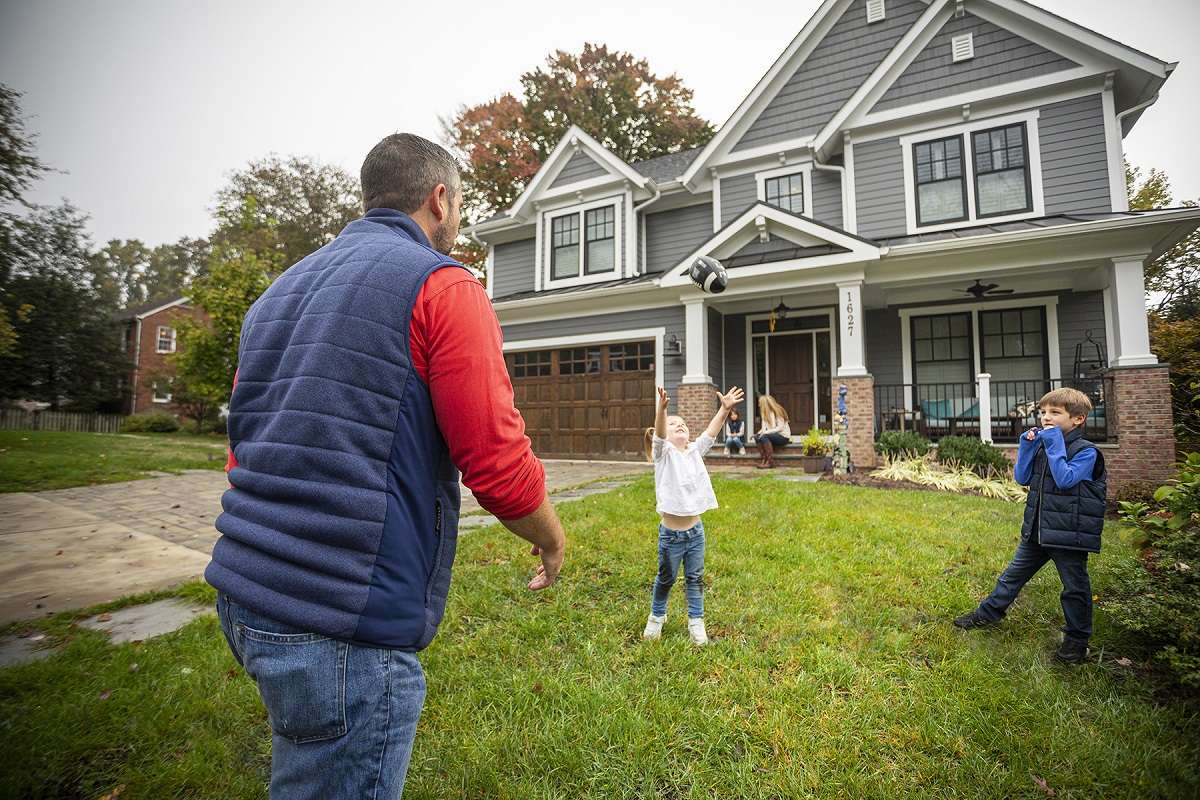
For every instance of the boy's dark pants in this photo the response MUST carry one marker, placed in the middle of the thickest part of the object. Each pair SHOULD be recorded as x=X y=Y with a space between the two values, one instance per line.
x=1072 y=569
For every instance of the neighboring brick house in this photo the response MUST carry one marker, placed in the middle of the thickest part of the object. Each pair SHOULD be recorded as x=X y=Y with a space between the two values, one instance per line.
x=150 y=337
x=921 y=200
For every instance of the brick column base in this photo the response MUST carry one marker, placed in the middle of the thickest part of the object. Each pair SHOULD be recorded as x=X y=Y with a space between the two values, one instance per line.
x=860 y=416
x=1139 y=417
x=696 y=403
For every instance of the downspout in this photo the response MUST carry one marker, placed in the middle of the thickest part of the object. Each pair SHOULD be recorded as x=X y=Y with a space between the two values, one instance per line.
x=841 y=172
x=475 y=238
x=137 y=364
x=641 y=222
x=1122 y=204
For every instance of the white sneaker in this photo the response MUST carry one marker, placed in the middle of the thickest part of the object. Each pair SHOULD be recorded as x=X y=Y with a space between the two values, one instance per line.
x=654 y=627
x=696 y=630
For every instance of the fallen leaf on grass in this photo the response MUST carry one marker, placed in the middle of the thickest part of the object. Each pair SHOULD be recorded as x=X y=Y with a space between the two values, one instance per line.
x=186 y=671
x=114 y=794
x=1042 y=786
x=134 y=667
x=537 y=688
x=1124 y=662
x=107 y=693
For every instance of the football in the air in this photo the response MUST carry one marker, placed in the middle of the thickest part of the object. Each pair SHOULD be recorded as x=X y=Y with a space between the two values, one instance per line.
x=709 y=275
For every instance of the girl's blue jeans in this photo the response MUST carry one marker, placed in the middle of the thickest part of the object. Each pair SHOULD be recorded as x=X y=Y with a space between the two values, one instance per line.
x=675 y=547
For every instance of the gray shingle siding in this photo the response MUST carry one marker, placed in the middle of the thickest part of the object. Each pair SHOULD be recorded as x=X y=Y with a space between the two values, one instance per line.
x=668 y=317
x=672 y=235
x=1074 y=156
x=827 y=197
x=737 y=194
x=512 y=267
x=832 y=72
x=879 y=188
x=579 y=168
x=1078 y=312
x=883 y=346
x=1000 y=57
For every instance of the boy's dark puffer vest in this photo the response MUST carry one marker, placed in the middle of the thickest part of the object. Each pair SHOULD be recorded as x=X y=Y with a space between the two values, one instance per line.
x=1072 y=519
x=342 y=514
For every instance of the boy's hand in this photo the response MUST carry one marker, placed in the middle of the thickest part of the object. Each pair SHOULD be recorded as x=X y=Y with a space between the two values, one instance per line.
x=662 y=398
x=1031 y=434
x=731 y=398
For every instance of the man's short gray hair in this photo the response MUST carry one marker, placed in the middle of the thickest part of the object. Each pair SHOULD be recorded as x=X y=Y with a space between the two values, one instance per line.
x=403 y=169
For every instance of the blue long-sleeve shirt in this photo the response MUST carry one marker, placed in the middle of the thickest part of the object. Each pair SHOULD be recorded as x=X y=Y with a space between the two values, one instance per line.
x=1065 y=473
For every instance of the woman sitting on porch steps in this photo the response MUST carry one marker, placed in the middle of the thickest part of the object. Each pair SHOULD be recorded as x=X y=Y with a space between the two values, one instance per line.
x=775 y=431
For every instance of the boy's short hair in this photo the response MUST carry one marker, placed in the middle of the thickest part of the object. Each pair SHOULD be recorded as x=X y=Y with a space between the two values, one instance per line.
x=1076 y=403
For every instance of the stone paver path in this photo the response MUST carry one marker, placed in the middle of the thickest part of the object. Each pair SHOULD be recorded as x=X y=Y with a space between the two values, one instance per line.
x=71 y=548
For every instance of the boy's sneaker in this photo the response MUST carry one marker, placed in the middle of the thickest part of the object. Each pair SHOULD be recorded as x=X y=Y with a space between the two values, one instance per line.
x=973 y=621
x=1071 y=651
x=653 y=628
x=696 y=630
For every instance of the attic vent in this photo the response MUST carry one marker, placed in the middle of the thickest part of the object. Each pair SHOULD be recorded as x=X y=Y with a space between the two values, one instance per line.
x=962 y=47
x=874 y=11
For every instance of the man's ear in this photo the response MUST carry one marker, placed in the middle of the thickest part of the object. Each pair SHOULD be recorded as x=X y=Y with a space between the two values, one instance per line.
x=439 y=202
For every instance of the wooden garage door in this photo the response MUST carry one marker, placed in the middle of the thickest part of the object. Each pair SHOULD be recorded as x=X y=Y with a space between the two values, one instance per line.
x=593 y=401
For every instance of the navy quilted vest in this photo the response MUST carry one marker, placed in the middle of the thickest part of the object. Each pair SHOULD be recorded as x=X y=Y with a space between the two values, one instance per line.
x=1072 y=519
x=342 y=514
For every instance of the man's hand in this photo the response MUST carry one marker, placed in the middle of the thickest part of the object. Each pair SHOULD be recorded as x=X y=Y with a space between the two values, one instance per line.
x=663 y=399
x=731 y=398
x=547 y=571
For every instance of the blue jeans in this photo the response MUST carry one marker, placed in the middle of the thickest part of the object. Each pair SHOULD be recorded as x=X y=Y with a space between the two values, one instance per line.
x=1076 y=595
x=734 y=443
x=674 y=547
x=342 y=716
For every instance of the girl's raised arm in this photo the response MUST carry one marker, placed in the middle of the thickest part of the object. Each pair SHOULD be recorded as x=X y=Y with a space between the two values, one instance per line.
x=728 y=400
x=660 y=414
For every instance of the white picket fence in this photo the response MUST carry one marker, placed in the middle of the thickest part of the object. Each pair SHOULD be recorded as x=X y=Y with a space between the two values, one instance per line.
x=15 y=419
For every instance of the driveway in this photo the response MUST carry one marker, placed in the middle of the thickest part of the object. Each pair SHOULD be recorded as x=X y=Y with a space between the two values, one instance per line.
x=72 y=548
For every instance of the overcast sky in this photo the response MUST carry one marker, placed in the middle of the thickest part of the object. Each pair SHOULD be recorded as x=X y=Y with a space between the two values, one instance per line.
x=147 y=105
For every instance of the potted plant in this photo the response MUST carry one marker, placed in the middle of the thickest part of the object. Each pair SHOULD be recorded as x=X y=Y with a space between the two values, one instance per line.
x=815 y=450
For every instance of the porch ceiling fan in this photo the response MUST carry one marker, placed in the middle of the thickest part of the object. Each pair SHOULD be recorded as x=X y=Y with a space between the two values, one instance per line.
x=979 y=289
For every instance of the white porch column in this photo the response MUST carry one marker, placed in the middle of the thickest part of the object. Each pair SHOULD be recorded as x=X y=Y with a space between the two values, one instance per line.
x=1130 y=332
x=851 y=351
x=695 y=318
x=985 y=406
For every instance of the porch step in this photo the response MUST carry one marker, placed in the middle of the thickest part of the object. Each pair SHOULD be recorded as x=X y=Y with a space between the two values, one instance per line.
x=716 y=458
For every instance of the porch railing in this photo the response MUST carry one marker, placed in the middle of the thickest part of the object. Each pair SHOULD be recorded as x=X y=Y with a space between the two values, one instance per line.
x=997 y=411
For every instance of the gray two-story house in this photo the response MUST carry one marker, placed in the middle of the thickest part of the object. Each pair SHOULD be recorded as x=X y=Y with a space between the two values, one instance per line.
x=923 y=202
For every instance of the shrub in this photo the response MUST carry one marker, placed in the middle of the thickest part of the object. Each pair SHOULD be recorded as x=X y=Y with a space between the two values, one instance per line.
x=1157 y=597
x=972 y=453
x=816 y=443
x=902 y=444
x=151 y=422
x=950 y=478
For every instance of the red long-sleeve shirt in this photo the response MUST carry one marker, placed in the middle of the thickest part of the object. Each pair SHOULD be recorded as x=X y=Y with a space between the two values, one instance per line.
x=455 y=345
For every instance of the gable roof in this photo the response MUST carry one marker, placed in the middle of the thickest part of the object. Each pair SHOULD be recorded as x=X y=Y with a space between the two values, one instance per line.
x=819 y=244
x=147 y=309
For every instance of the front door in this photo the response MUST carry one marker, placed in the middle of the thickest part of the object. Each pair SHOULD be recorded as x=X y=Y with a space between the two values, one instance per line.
x=790 y=376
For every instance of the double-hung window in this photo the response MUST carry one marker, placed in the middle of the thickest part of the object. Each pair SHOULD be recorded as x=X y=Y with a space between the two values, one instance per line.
x=785 y=191
x=1001 y=171
x=973 y=172
x=583 y=243
x=165 y=339
x=941 y=183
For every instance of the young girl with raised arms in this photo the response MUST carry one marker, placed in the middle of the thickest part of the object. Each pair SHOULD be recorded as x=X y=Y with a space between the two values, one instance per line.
x=683 y=492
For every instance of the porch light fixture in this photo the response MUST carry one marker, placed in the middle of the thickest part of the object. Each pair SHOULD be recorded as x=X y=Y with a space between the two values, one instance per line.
x=672 y=346
x=777 y=313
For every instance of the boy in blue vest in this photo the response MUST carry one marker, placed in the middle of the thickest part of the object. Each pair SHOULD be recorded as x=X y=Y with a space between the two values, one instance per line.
x=1064 y=516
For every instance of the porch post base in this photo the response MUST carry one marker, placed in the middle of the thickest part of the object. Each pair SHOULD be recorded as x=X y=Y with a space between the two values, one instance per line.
x=696 y=403
x=1140 y=420
x=860 y=416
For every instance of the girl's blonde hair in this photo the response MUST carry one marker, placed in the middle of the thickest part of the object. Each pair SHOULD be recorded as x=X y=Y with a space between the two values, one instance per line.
x=648 y=444
x=769 y=409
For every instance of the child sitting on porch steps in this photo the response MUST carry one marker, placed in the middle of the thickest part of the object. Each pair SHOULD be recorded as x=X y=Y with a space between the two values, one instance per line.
x=683 y=492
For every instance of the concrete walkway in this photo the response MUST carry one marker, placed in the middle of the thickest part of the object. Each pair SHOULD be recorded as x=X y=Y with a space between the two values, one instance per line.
x=72 y=548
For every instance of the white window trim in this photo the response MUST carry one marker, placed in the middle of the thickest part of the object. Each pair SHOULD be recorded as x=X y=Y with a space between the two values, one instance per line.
x=547 y=239
x=155 y=397
x=610 y=337
x=833 y=360
x=1054 y=357
x=1033 y=156
x=804 y=170
x=158 y=339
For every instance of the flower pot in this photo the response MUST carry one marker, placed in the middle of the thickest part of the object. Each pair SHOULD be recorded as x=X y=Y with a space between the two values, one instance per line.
x=813 y=463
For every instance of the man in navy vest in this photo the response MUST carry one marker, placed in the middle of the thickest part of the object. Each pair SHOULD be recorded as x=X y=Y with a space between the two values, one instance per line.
x=369 y=373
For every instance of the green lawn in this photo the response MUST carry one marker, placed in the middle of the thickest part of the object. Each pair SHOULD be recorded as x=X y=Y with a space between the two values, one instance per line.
x=833 y=672
x=31 y=461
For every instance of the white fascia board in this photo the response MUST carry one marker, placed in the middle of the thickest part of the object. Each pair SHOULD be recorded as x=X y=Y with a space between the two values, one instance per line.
x=179 y=301
x=859 y=250
x=793 y=55
x=900 y=56
x=575 y=137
